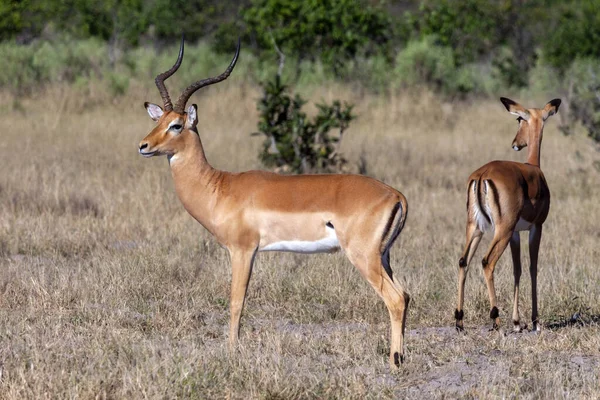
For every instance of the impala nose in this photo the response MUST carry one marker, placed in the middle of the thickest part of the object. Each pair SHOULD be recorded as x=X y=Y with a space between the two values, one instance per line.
x=143 y=146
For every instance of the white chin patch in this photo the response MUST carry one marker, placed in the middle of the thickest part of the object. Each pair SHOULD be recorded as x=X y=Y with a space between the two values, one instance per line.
x=328 y=244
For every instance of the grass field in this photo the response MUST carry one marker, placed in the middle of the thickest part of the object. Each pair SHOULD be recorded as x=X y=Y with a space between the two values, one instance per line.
x=108 y=289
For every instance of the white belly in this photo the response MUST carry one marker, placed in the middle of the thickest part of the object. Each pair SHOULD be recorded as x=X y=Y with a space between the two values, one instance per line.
x=328 y=244
x=523 y=225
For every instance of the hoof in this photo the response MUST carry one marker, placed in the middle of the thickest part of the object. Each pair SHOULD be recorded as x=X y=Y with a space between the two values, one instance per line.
x=494 y=313
x=518 y=327
x=398 y=359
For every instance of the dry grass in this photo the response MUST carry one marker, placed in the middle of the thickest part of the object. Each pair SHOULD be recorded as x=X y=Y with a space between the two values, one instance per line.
x=110 y=290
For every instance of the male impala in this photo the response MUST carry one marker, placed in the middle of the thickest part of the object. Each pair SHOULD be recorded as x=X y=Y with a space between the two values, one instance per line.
x=506 y=197
x=261 y=211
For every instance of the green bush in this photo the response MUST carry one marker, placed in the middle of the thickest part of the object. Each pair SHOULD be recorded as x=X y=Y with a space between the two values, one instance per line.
x=574 y=33
x=583 y=80
x=469 y=27
x=292 y=142
x=423 y=61
x=330 y=31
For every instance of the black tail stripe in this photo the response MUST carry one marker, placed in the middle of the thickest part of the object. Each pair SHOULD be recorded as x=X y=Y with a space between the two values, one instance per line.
x=388 y=225
x=494 y=190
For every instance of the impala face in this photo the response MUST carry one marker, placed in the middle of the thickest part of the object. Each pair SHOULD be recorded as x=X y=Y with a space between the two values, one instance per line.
x=167 y=137
x=531 y=121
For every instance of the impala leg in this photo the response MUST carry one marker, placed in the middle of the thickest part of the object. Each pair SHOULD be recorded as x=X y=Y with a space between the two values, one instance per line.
x=241 y=268
x=496 y=249
x=394 y=297
x=535 y=237
x=515 y=249
x=473 y=238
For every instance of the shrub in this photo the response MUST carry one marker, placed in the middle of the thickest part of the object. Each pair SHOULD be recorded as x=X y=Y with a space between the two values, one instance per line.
x=424 y=62
x=293 y=143
x=325 y=30
x=583 y=80
x=575 y=33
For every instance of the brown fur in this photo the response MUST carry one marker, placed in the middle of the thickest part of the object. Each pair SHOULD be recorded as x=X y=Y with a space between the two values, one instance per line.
x=250 y=210
x=507 y=192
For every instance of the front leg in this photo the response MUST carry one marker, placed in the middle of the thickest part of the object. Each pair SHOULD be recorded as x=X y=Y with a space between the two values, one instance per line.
x=241 y=269
x=535 y=237
x=515 y=249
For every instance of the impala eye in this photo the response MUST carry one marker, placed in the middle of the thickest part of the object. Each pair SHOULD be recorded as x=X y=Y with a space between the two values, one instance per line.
x=175 y=127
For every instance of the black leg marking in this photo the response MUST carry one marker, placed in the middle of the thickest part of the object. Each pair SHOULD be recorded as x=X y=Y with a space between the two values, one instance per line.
x=494 y=313
x=398 y=359
x=484 y=262
x=462 y=262
x=459 y=315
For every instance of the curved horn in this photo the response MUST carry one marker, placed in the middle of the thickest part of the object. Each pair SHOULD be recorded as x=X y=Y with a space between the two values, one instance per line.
x=160 y=79
x=187 y=93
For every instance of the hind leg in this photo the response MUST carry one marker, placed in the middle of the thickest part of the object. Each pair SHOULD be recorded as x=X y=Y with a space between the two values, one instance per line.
x=497 y=247
x=395 y=298
x=473 y=238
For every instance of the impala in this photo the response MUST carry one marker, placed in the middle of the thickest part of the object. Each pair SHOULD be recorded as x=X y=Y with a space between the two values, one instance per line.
x=505 y=197
x=256 y=211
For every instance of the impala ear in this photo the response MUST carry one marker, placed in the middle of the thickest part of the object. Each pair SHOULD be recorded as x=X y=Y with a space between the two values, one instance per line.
x=154 y=111
x=551 y=108
x=515 y=108
x=192 y=117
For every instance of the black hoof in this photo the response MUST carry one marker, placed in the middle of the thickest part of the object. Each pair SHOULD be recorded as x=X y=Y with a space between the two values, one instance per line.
x=398 y=359
x=459 y=315
x=494 y=313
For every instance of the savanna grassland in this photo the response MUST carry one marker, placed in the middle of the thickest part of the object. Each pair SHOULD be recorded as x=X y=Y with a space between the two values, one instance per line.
x=108 y=289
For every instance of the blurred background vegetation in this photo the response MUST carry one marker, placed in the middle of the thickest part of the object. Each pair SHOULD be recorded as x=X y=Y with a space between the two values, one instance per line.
x=461 y=49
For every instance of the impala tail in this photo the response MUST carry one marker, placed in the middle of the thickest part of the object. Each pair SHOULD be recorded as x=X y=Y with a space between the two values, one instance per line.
x=483 y=203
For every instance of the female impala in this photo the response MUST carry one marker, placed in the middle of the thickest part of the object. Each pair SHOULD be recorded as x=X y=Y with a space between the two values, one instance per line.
x=261 y=211
x=506 y=197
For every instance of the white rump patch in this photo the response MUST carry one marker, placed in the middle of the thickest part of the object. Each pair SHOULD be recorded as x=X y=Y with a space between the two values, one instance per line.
x=328 y=244
x=522 y=225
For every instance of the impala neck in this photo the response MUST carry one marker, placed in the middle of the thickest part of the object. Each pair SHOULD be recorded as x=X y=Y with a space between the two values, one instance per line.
x=533 y=155
x=533 y=150
x=194 y=179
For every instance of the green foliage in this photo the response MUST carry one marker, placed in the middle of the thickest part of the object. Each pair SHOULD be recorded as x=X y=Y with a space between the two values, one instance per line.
x=23 y=17
x=425 y=62
x=26 y=67
x=332 y=31
x=469 y=27
x=293 y=143
x=584 y=95
x=574 y=33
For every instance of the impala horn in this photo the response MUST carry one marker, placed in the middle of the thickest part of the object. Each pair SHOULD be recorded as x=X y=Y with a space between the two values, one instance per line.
x=160 y=79
x=187 y=93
